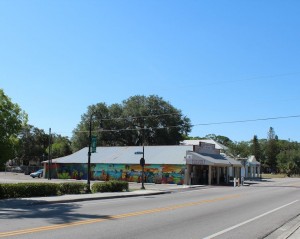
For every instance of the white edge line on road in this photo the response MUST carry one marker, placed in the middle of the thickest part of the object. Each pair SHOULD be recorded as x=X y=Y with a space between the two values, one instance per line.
x=250 y=220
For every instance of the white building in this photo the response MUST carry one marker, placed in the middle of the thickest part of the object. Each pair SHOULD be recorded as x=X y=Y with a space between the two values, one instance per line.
x=207 y=165
x=251 y=168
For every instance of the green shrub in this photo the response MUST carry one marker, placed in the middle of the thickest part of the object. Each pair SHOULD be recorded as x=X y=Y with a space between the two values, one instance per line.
x=64 y=175
x=5 y=191
x=110 y=186
x=1 y=192
x=23 y=190
x=71 y=188
x=18 y=190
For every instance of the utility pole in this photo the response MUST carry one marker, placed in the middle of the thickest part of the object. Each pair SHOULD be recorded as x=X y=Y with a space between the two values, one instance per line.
x=88 y=189
x=143 y=159
x=49 y=156
x=142 y=162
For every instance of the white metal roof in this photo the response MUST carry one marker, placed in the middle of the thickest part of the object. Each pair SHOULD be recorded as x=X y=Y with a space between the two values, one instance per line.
x=252 y=160
x=174 y=154
x=214 y=159
x=208 y=141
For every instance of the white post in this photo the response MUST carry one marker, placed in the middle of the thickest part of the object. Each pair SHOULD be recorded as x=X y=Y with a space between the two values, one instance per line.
x=209 y=175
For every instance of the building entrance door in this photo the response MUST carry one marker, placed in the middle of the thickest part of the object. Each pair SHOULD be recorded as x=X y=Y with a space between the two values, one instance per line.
x=200 y=175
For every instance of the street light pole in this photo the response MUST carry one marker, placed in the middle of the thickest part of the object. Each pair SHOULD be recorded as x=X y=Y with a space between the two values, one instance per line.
x=49 y=156
x=143 y=163
x=143 y=169
x=88 y=190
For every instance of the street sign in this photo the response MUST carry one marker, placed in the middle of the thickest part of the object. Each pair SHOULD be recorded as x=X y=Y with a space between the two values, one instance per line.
x=94 y=144
x=138 y=152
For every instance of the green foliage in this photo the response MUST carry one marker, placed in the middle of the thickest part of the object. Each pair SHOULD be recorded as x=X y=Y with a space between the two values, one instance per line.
x=288 y=162
x=64 y=175
x=12 y=118
x=272 y=150
x=71 y=188
x=239 y=149
x=24 y=190
x=77 y=175
x=18 y=190
x=220 y=139
x=271 y=175
x=138 y=120
x=32 y=144
x=255 y=149
x=110 y=186
x=274 y=155
x=61 y=146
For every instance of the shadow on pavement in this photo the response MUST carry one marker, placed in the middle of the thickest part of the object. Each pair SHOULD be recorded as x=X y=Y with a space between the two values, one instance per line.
x=56 y=213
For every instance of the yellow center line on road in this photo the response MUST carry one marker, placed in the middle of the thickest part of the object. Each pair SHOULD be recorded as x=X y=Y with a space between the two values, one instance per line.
x=125 y=215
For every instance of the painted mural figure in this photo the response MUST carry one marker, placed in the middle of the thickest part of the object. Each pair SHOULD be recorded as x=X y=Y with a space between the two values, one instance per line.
x=153 y=173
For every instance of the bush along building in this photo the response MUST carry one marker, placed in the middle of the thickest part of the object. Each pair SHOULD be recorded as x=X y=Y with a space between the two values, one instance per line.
x=178 y=164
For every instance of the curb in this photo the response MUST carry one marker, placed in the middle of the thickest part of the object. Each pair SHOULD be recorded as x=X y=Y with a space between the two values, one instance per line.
x=100 y=198
x=41 y=201
x=287 y=230
x=292 y=230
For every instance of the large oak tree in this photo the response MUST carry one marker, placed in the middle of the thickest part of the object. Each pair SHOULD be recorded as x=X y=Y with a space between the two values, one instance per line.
x=138 y=120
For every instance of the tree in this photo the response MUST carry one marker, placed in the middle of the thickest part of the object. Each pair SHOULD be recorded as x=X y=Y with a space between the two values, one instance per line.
x=60 y=147
x=255 y=148
x=239 y=149
x=12 y=118
x=138 y=120
x=272 y=150
x=33 y=143
x=80 y=137
x=220 y=139
x=289 y=162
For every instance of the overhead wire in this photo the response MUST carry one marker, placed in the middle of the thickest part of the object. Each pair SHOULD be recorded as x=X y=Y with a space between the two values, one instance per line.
x=193 y=125
x=249 y=120
x=137 y=117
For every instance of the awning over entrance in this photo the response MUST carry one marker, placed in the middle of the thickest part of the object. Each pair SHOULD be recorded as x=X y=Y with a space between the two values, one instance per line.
x=219 y=160
x=207 y=165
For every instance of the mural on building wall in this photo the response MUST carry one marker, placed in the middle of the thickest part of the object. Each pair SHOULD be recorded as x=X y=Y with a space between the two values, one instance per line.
x=154 y=173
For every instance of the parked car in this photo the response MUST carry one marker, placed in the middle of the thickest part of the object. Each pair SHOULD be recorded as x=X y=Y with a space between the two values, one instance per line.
x=38 y=173
x=30 y=169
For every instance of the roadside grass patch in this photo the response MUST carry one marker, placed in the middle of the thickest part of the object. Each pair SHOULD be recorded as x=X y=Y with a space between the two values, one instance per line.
x=269 y=175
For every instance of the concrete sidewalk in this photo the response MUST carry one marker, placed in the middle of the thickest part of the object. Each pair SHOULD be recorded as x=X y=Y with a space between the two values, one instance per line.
x=92 y=196
x=290 y=230
x=135 y=191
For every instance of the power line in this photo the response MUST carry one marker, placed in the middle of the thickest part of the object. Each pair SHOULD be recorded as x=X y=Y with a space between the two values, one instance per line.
x=130 y=129
x=200 y=124
x=242 y=80
x=129 y=118
x=249 y=120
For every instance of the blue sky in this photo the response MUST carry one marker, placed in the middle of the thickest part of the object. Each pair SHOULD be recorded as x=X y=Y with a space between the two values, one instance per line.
x=215 y=60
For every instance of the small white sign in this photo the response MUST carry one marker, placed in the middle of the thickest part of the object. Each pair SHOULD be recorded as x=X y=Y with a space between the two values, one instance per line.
x=138 y=152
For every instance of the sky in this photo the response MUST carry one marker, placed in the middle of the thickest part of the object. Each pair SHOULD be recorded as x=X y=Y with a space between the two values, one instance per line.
x=216 y=61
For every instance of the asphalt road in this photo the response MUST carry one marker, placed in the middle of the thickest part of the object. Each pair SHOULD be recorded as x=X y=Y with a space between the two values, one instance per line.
x=216 y=212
